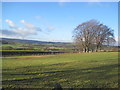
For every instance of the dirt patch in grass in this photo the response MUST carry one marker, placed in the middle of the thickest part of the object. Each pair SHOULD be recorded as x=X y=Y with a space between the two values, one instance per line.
x=30 y=57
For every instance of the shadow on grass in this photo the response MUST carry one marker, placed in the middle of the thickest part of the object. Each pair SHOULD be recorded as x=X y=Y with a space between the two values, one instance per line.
x=101 y=71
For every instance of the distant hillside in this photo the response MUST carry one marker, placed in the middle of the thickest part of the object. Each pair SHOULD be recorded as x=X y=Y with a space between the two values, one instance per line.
x=23 y=41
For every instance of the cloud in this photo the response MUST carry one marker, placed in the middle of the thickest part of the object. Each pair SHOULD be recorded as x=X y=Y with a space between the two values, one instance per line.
x=8 y=32
x=23 y=32
x=32 y=28
x=13 y=33
x=10 y=23
x=28 y=25
x=116 y=38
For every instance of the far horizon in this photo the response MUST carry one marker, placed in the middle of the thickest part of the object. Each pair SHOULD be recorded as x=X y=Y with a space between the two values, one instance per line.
x=54 y=21
x=35 y=40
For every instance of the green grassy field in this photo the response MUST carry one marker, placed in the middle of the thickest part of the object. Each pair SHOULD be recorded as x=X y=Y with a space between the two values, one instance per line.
x=86 y=70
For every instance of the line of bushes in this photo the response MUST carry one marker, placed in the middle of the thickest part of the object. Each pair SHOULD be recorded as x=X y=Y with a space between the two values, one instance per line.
x=26 y=52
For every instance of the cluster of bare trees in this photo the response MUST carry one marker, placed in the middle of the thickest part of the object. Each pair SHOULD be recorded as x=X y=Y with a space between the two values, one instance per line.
x=92 y=35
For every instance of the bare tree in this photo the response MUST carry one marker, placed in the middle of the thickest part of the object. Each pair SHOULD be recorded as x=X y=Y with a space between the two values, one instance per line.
x=92 y=35
x=104 y=36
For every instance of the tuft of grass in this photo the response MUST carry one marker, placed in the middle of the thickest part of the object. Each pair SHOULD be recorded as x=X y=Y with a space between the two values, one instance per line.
x=84 y=70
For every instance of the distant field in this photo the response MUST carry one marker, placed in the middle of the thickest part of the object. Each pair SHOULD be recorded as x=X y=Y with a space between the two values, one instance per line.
x=11 y=45
x=86 y=70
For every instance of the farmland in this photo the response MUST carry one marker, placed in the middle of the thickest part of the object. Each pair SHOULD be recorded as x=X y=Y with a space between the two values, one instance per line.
x=59 y=45
x=81 y=70
x=14 y=47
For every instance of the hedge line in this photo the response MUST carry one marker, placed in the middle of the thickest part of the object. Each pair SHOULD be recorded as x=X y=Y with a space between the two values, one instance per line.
x=21 y=53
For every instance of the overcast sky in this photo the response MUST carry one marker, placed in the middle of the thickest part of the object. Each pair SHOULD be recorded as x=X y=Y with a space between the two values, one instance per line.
x=54 y=21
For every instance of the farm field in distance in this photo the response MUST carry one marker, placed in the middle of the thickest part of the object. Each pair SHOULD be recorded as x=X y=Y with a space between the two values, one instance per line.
x=83 y=70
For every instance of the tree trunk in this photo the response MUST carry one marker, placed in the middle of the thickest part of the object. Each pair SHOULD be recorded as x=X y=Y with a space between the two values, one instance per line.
x=85 y=50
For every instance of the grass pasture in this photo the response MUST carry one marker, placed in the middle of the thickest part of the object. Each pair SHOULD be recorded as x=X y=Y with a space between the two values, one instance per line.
x=85 y=70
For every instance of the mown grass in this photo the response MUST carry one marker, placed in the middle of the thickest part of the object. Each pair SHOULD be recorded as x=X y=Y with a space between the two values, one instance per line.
x=86 y=70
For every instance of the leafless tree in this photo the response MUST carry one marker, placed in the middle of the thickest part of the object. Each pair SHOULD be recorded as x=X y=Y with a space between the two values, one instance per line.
x=92 y=35
x=104 y=36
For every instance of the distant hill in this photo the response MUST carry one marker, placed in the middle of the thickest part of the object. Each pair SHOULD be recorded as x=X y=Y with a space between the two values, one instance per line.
x=23 y=41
